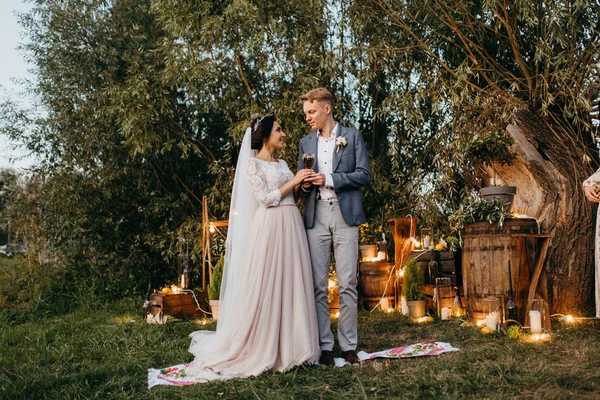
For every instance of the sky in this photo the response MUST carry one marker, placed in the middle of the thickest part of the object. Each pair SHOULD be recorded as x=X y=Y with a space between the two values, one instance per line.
x=12 y=65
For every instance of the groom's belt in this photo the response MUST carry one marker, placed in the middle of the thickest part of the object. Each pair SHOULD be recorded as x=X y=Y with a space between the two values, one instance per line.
x=325 y=199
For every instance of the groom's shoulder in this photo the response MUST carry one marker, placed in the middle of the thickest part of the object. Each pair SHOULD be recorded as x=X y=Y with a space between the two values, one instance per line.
x=309 y=136
x=348 y=130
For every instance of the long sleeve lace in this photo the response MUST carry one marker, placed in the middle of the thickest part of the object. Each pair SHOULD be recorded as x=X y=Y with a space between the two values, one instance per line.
x=592 y=180
x=258 y=182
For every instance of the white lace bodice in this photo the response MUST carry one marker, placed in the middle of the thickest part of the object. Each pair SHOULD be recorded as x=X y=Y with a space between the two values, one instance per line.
x=266 y=178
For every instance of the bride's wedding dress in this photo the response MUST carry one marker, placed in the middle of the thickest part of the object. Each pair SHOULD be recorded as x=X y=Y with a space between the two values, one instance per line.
x=272 y=322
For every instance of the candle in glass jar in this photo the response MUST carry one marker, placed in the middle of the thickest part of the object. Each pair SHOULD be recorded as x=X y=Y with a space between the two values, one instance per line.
x=445 y=312
x=491 y=320
x=535 y=318
x=426 y=242
x=404 y=305
x=384 y=303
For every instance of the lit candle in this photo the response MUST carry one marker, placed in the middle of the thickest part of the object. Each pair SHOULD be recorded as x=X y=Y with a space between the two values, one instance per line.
x=426 y=242
x=535 y=318
x=384 y=304
x=491 y=320
x=445 y=312
x=404 y=305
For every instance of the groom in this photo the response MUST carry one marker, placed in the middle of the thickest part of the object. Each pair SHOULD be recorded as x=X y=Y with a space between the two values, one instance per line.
x=333 y=212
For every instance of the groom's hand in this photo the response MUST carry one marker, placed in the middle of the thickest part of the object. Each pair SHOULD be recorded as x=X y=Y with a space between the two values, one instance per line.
x=317 y=179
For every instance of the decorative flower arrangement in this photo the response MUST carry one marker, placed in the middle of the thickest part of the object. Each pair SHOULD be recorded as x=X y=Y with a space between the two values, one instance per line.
x=369 y=234
x=340 y=143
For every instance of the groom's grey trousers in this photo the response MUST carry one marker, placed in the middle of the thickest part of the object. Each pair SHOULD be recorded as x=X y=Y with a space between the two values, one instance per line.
x=329 y=225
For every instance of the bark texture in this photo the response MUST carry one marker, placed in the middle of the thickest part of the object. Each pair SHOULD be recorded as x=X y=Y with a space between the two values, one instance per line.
x=548 y=174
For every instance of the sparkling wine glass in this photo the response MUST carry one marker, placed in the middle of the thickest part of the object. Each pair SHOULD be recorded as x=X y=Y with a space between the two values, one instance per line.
x=308 y=160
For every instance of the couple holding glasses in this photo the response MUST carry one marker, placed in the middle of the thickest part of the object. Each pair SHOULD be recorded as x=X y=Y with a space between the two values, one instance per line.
x=274 y=312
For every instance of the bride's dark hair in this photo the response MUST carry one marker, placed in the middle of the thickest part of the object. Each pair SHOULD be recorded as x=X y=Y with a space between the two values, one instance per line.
x=261 y=129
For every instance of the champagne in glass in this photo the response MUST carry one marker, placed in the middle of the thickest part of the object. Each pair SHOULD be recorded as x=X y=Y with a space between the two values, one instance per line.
x=308 y=160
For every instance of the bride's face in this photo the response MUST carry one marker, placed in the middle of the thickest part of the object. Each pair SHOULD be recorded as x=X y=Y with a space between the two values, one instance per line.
x=277 y=137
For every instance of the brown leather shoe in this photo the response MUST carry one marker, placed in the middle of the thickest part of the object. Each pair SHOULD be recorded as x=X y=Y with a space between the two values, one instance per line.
x=327 y=358
x=351 y=357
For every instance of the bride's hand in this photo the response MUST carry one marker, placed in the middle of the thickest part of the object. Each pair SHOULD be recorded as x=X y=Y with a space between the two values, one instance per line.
x=591 y=194
x=302 y=175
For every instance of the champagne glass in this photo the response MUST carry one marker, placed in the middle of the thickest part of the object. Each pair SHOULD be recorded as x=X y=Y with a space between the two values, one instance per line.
x=308 y=160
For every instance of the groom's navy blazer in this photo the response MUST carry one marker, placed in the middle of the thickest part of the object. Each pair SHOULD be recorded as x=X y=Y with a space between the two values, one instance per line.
x=351 y=171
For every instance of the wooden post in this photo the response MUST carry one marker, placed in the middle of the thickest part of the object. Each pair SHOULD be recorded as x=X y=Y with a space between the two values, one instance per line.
x=204 y=237
x=402 y=230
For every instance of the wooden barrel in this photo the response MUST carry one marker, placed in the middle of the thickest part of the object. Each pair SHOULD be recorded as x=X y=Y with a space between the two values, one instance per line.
x=373 y=279
x=486 y=252
x=511 y=226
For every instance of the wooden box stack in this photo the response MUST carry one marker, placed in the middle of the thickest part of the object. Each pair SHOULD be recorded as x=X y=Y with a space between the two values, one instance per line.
x=448 y=267
x=449 y=264
x=178 y=304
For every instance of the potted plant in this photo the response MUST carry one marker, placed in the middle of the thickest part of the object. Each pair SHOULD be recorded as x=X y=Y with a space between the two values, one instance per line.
x=488 y=150
x=412 y=289
x=214 y=289
x=368 y=236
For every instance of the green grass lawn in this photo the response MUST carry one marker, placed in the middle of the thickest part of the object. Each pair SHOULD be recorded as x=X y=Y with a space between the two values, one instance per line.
x=94 y=353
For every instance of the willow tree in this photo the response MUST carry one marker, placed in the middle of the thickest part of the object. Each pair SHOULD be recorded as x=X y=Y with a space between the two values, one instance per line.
x=142 y=105
x=528 y=69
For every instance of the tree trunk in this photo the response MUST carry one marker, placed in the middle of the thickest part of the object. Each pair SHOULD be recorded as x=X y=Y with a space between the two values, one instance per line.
x=548 y=174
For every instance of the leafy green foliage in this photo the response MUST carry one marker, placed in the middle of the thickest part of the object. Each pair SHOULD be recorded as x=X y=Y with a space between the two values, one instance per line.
x=413 y=281
x=492 y=148
x=214 y=289
x=476 y=209
x=369 y=233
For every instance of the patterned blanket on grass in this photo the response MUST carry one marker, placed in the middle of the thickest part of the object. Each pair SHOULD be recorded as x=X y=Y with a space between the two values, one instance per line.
x=176 y=375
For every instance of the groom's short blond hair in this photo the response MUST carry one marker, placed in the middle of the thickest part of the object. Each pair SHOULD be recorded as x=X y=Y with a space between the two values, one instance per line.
x=320 y=94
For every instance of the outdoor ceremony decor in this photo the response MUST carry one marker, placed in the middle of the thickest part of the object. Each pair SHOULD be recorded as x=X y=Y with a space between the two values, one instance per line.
x=177 y=375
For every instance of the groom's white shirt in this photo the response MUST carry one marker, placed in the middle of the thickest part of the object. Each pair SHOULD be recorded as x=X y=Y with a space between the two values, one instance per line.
x=326 y=147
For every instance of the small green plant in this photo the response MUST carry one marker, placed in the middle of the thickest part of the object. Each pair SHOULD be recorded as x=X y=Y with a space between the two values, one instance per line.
x=214 y=289
x=412 y=285
x=369 y=233
x=452 y=242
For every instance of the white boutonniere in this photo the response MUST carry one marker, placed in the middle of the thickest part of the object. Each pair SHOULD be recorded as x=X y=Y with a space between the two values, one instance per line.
x=340 y=143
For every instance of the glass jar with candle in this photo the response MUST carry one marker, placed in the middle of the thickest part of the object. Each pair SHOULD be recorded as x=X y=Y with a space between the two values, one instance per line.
x=538 y=316
x=426 y=238
x=444 y=296
x=491 y=312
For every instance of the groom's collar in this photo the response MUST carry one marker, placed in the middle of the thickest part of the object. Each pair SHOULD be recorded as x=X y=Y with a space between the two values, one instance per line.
x=335 y=132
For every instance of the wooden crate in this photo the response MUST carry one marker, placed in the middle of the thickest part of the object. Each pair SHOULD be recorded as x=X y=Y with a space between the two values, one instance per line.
x=178 y=304
x=449 y=264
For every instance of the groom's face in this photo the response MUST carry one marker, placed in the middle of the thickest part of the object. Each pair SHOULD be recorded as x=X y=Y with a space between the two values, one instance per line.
x=317 y=113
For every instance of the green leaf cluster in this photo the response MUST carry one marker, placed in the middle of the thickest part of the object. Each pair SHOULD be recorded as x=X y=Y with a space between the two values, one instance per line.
x=413 y=281
x=476 y=209
x=214 y=289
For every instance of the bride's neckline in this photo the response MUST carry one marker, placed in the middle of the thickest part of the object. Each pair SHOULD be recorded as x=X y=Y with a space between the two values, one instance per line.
x=273 y=162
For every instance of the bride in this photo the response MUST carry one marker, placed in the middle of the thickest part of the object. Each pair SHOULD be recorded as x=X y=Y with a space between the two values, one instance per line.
x=267 y=319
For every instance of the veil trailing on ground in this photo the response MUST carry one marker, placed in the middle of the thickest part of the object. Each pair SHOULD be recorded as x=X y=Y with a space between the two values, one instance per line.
x=241 y=214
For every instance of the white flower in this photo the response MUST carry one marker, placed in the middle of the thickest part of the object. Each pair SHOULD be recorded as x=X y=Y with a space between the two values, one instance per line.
x=340 y=142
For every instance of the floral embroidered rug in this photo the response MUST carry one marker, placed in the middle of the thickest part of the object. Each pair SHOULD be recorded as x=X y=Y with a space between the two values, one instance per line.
x=176 y=375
